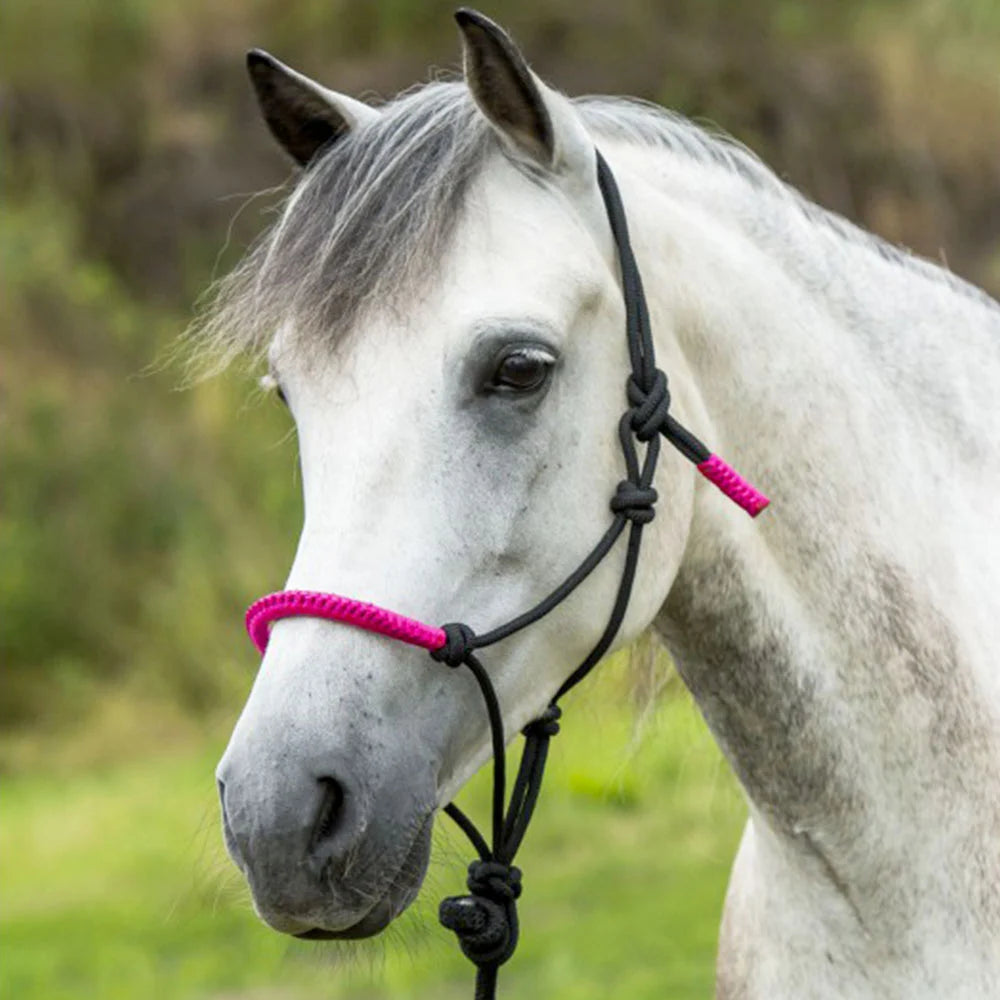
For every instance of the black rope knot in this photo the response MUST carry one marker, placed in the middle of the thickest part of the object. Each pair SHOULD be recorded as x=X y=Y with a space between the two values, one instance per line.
x=546 y=725
x=649 y=408
x=634 y=501
x=485 y=921
x=459 y=642
x=494 y=880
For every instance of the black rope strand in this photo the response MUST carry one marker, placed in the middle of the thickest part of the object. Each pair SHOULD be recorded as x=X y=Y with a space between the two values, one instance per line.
x=485 y=920
x=528 y=784
x=493 y=714
x=486 y=982
x=543 y=607
x=469 y=829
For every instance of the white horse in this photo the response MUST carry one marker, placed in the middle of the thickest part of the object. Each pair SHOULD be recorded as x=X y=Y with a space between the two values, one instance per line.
x=441 y=308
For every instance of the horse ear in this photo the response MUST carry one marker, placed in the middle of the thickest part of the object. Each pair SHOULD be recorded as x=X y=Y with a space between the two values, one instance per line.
x=534 y=121
x=302 y=115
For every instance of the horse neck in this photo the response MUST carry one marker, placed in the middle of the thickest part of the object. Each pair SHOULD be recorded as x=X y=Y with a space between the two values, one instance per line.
x=842 y=648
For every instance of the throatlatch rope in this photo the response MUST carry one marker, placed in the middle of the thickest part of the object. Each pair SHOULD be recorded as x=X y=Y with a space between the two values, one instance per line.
x=485 y=920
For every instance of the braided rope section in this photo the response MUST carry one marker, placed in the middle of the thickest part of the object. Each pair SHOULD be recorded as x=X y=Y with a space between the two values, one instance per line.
x=716 y=471
x=334 y=608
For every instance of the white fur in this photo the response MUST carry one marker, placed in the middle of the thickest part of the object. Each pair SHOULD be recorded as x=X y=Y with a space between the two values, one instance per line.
x=860 y=393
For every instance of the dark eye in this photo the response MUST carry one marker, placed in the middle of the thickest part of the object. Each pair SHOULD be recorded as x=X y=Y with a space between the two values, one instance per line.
x=521 y=369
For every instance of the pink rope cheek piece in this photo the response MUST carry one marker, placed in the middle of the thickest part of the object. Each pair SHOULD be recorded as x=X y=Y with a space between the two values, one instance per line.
x=334 y=608
x=742 y=493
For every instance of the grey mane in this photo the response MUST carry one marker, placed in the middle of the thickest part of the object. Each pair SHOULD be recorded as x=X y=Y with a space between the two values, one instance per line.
x=371 y=219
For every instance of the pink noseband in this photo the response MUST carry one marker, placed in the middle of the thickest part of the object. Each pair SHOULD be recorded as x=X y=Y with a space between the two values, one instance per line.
x=334 y=608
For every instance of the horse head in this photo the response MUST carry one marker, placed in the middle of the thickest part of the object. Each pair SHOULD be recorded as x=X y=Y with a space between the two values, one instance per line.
x=442 y=312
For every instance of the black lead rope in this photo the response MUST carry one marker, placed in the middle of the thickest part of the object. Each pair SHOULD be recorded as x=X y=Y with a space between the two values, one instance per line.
x=485 y=920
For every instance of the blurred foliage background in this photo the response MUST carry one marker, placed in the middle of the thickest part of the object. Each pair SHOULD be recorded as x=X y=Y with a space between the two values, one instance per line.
x=139 y=514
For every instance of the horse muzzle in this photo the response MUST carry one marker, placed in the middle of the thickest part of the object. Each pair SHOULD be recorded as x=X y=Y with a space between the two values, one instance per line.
x=327 y=852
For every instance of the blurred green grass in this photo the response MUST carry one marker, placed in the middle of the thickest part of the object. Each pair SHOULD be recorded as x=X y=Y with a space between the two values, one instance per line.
x=115 y=884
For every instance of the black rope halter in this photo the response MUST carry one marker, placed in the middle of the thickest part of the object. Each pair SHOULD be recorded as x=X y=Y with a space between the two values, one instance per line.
x=485 y=920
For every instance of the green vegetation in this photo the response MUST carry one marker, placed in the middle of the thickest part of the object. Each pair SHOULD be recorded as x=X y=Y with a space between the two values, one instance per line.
x=136 y=520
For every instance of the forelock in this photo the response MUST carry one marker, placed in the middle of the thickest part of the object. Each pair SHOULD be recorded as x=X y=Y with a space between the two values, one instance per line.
x=367 y=223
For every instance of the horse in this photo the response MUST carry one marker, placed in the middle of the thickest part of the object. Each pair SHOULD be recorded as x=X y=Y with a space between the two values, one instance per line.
x=440 y=306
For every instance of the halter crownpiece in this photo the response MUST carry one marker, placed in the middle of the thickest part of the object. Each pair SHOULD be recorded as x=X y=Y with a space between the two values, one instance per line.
x=485 y=920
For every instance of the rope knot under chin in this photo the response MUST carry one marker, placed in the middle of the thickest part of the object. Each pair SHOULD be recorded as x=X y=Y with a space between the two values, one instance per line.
x=546 y=725
x=634 y=501
x=485 y=921
x=459 y=642
x=494 y=880
x=649 y=407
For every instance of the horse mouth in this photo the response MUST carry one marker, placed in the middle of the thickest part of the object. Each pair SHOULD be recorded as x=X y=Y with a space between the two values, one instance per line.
x=374 y=921
x=404 y=885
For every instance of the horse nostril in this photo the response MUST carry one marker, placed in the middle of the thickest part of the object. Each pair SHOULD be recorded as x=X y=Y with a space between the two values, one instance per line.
x=330 y=811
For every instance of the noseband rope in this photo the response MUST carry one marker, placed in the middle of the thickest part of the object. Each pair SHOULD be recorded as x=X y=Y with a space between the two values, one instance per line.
x=485 y=920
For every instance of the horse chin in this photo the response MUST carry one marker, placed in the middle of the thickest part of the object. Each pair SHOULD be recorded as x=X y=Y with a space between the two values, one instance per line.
x=372 y=923
x=403 y=888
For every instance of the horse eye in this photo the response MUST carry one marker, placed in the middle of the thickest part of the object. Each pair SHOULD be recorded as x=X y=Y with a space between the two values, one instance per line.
x=522 y=369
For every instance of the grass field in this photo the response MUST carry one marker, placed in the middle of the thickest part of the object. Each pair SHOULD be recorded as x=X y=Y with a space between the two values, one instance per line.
x=114 y=883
